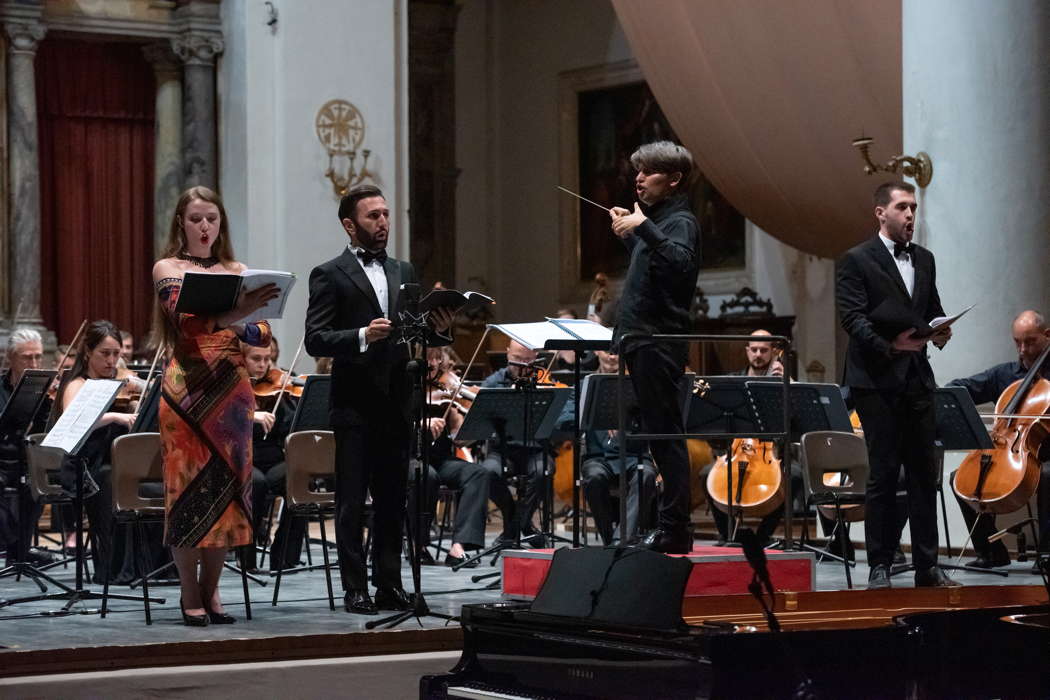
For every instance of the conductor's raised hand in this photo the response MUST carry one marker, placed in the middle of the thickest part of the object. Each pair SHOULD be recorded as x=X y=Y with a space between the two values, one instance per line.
x=625 y=224
x=906 y=342
x=378 y=329
x=440 y=319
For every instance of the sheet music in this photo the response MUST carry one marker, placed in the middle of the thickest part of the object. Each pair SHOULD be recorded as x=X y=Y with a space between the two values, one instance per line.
x=535 y=335
x=584 y=329
x=77 y=421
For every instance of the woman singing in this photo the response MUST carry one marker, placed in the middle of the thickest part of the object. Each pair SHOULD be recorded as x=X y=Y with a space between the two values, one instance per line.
x=206 y=408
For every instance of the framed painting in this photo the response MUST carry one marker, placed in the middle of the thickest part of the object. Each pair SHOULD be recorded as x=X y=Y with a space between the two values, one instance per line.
x=605 y=113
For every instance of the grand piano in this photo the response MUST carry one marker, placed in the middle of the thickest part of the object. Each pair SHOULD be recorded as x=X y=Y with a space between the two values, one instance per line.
x=978 y=641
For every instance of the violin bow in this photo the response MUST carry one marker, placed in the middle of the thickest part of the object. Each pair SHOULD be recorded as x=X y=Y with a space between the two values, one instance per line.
x=53 y=416
x=284 y=384
x=462 y=379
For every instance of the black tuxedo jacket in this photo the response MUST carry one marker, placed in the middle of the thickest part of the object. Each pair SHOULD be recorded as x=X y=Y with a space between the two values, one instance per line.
x=866 y=276
x=367 y=387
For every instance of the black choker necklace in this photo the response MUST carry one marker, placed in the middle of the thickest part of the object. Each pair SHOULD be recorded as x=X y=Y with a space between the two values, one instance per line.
x=199 y=262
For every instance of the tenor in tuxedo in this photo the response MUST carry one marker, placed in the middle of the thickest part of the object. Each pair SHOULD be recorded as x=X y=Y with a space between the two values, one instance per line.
x=353 y=298
x=889 y=376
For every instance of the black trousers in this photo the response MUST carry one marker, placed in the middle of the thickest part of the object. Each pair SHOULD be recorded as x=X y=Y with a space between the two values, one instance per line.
x=655 y=373
x=472 y=481
x=522 y=461
x=899 y=428
x=18 y=512
x=985 y=525
x=372 y=458
x=599 y=478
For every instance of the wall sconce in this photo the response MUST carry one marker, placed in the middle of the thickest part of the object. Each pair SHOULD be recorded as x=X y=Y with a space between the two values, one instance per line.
x=341 y=129
x=919 y=166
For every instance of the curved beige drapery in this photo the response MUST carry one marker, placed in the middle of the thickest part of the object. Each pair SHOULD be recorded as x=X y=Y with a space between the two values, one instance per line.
x=768 y=95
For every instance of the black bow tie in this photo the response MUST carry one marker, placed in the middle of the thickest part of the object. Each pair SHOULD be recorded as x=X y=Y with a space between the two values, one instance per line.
x=367 y=256
x=905 y=248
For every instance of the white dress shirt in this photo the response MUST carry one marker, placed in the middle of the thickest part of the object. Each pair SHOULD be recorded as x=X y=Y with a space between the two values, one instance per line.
x=905 y=265
x=377 y=276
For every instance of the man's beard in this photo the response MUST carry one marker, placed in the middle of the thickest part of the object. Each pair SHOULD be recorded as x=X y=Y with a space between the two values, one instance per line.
x=366 y=240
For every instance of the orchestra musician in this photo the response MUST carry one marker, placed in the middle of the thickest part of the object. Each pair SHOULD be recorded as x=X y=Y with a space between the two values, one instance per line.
x=269 y=471
x=663 y=238
x=445 y=469
x=1031 y=335
x=127 y=347
x=891 y=381
x=352 y=300
x=96 y=358
x=526 y=460
x=25 y=350
x=601 y=469
x=206 y=407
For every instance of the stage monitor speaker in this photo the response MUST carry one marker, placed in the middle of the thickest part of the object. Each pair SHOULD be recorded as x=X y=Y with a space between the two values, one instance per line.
x=616 y=585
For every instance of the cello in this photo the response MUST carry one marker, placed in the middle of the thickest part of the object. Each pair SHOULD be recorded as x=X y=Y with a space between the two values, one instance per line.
x=757 y=480
x=1003 y=479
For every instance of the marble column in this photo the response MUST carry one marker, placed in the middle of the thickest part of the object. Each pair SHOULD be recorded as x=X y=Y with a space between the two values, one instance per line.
x=198 y=51
x=976 y=88
x=167 y=147
x=23 y=171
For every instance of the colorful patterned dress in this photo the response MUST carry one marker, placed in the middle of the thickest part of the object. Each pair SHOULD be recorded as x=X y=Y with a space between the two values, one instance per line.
x=206 y=431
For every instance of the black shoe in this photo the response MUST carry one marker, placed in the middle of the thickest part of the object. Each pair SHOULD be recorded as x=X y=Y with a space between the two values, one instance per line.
x=535 y=540
x=986 y=561
x=1041 y=565
x=458 y=561
x=504 y=540
x=216 y=618
x=358 y=601
x=933 y=577
x=192 y=620
x=393 y=599
x=668 y=542
x=40 y=557
x=879 y=577
x=426 y=558
x=898 y=557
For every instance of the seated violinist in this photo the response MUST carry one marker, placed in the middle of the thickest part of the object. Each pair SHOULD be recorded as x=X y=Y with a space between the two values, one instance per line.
x=1031 y=337
x=601 y=471
x=446 y=469
x=269 y=470
x=95 y=358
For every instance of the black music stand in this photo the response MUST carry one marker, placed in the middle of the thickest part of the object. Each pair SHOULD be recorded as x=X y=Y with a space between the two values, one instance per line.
x=521 y=414
x=70 y=434
x=311 y=412
x=813 y=407
x=959 y=428
x=15 y=422
x=577 y=335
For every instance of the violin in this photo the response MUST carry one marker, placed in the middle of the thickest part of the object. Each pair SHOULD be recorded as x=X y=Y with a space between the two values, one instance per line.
x=757 y=479
x=126 y=400
x=1003 y=479
x=273 y=382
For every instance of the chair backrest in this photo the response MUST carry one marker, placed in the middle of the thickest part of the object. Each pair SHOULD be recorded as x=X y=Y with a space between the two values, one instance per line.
x=309 y=454
x=827 y=453
x=41 y=461
x=136 y=458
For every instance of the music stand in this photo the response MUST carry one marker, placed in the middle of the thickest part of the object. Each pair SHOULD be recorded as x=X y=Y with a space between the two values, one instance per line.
x=15 y=422
x=959 y=428
x=573 y=334
x=510 y=414
x=146 y=420
x=311 y=412
x=813 y=407
x=69 y=434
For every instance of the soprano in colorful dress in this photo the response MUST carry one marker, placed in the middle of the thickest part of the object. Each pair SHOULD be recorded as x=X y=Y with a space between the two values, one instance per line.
x=206 y=408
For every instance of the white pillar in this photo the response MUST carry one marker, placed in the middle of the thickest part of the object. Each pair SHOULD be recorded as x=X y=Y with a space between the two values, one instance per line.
x=976 y=88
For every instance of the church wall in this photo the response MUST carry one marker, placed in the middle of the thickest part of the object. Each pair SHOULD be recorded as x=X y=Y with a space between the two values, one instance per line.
x=271 y=85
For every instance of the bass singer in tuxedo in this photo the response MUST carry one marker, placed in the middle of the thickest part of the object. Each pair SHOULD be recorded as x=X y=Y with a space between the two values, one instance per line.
x=882 y=284
x=352 y=318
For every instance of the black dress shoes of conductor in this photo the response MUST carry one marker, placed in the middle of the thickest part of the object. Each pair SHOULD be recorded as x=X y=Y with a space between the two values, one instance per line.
x=393 y=599
x=879 y=577
x=933 y=577
x=358 y=601
x=668 y=542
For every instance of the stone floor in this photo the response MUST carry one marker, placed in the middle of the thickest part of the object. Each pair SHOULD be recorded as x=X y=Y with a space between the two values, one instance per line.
x=303 y=607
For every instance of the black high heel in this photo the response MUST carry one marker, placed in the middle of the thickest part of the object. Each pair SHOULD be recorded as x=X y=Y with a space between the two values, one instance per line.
x=193 y=620
x=214 y=617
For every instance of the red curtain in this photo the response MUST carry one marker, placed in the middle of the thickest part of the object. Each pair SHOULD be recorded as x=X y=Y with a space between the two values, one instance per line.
x=96 y=112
